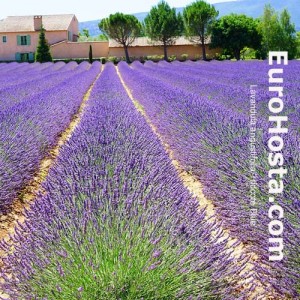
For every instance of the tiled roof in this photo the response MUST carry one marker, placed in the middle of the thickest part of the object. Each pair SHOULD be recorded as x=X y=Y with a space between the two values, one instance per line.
x=145 y=41
x=25 y=23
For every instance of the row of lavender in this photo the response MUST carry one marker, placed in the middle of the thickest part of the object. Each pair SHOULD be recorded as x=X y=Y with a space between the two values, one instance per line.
x=231 y=83
x=233 y=92
x=19 y=85
x=13 y=74
x=206 y=124
x=116 y=222
x=32 y=116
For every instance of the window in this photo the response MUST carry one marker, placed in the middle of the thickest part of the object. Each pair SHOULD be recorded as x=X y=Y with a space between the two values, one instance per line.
x=23 y=40
x=24 y=56
x=4 y=39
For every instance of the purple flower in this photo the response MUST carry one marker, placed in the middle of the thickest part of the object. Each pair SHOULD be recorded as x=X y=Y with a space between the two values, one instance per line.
x=156 y=253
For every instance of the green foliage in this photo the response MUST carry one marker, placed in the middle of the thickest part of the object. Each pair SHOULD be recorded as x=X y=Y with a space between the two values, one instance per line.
x=142 y=59
x=100 y=37
x=198 y=18
x=220 y=57
x=184 y=57
x=86 y=32
x=172 y=58
x=124 y=29
x=234 y=32
x=248 y=53
x=113 y=59
x=43 y=50
x=103 y=60
x=278 y=33
x=117 y=258
x=142 y=33
x=155 y=58
x=298 y=44
x=90 y=54
x=162 y=24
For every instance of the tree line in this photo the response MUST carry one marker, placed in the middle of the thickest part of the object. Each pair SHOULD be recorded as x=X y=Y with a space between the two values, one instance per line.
x=199 y=23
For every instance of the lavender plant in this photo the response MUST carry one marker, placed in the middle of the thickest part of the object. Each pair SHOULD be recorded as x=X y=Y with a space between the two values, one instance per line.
x=202 y=112
x=34 y=84
x=31 y=125
x=115 y=221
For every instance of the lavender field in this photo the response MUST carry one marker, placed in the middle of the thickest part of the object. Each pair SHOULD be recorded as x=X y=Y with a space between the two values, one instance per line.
x=114 y=217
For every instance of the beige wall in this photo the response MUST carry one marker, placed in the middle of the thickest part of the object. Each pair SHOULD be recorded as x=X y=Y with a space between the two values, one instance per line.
x=70 y=50
x=192 y=51
x=9 y=49
x=79 y=50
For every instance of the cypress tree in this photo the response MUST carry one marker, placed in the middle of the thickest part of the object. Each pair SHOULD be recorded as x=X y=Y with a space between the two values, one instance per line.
x=90 y=54
x=43 y=50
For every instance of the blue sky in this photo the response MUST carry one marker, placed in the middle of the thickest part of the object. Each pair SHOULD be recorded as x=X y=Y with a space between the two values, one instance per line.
x=85 y=10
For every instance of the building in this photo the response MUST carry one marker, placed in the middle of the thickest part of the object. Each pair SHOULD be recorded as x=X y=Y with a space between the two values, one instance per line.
x=19 y=35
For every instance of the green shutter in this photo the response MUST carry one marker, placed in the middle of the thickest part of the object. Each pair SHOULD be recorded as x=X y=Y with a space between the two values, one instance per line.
x=28 y=40
x=31 y=56
x=18 y=40
x=18 y=56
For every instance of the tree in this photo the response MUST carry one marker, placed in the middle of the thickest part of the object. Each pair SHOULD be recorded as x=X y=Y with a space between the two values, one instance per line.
x=124 y=29
x=43 y=50
x=289 y=37
x=298 y=44
x=278 y=33
x=234 y=32
x=90 y=54
x=268 y=24
x=86 y=32
x=198 y=18
x=102 y=37
x=162 y=24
